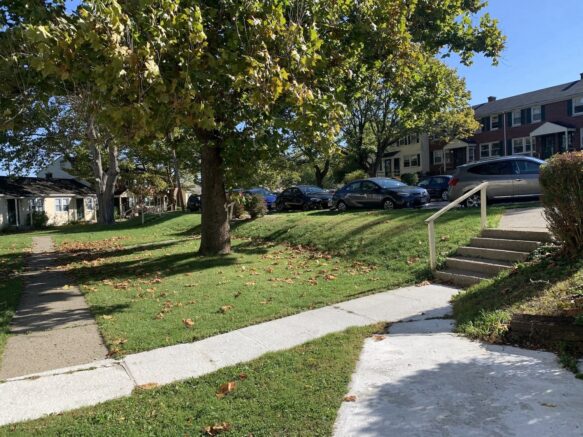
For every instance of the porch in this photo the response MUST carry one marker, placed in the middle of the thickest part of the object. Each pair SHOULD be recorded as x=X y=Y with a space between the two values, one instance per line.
x=552 y=138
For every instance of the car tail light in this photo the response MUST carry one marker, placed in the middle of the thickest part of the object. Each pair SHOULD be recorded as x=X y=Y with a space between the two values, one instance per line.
x=453 y=182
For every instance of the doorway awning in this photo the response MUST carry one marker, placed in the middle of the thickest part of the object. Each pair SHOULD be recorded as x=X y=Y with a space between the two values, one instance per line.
x=549 y=128
x=456 y=144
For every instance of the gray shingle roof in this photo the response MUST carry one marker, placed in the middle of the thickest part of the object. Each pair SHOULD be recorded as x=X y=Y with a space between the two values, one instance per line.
x=40 y=187
x=546 y=95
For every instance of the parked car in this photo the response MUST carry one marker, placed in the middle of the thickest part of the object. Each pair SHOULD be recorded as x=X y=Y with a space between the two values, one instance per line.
x=269 y=197
x=436 y=186
x=193 y=204
x=510 y=178
x=379 y=192
x=304 y=197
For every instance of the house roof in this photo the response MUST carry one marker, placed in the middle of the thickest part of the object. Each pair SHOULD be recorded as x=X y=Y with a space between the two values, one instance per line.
x=546 y=95
x=41 y=187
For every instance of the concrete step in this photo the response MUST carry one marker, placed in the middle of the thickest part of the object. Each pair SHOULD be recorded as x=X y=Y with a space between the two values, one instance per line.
x=502 y=244
x=461 y=278
x=488 y=267
x=492 y=254
x=513 y=234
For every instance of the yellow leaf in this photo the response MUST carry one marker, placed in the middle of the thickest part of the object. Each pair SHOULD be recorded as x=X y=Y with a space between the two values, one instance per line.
x=188 y=323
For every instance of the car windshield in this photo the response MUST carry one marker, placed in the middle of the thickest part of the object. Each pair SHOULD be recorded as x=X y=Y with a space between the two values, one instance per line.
x=261 y=191
x=390 y=183
x=312 y=190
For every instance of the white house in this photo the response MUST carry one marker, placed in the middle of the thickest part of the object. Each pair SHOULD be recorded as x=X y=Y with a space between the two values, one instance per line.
x=409 y=155
x=62 y=200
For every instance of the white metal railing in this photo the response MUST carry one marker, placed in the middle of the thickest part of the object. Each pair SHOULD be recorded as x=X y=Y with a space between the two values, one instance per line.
x=431 y=220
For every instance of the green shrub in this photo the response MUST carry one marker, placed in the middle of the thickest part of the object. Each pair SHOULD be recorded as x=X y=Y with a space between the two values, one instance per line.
x=562 y=188
x=354 y=175
x=410 y=178
x=256 y=206
x=239 y=202
x=39 y=219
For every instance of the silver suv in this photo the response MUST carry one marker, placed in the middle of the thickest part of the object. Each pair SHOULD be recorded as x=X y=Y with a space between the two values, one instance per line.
x=510 y=177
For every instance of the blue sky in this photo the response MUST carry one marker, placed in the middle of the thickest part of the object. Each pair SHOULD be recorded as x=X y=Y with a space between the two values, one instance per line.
x=544 y=48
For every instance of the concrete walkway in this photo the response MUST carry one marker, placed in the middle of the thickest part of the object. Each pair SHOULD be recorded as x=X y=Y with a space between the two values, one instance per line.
x=523 y=219
x=66 y=389
x=53 y=325
x=424 y=380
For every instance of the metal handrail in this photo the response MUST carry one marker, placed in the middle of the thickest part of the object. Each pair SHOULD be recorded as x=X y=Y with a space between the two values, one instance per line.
x=431 y=220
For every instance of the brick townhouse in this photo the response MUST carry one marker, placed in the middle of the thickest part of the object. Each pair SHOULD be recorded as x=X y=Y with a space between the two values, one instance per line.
x=539 y=123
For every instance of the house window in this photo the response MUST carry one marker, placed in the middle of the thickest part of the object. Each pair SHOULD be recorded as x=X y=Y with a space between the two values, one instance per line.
x=61 y=205
x=516 y=117
x=36 y=205
x=494 y=122
x=437 y=157
x=90 y=204
x=517 y=146
x=406 y=161
x=405 y=141
x=578 y=105
x=527 y=145
x=491 y=149
x=536 y=114
x=412 y=160
x=484 y=150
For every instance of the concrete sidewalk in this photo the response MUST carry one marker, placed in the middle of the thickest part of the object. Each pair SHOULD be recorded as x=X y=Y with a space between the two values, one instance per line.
x=53 y=325
x=523 y=219
x=424 y=380
x=66 y=389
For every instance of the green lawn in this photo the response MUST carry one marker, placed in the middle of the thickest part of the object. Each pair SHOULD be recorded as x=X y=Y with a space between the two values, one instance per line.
x=296 y=392
x=163 y=294
x=548 y=284
x=12 y=251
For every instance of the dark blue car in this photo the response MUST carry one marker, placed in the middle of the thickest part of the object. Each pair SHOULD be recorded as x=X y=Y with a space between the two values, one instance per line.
x=265 y=193
x=436 y=186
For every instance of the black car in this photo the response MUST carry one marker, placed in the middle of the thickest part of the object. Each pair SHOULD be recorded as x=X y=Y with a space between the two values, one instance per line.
x=379 y=192
x=436 y=186
x=193 y=204
x=304 y=197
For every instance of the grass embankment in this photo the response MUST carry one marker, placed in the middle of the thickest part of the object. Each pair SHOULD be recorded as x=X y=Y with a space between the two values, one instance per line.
x=296 y=392
x=12 y=251
x=165 y=293
x=548 y=284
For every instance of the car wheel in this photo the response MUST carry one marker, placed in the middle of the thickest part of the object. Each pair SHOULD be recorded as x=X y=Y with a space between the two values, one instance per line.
x=473 y=201
x=279 y=206
x=306 y=206
x=388 y=204
x=445 y=196
x=341 y=206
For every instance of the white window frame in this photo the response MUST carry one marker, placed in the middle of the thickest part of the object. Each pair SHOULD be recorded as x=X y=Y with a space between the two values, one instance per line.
x=438 y=156
x=525 y=144
x=514 y=117
x=90 y=204
x=62 y=204
x=540 y=114
x=490 y=145
x=471 y=153
x=492 y=118
x=580 y=99
x=406 y=161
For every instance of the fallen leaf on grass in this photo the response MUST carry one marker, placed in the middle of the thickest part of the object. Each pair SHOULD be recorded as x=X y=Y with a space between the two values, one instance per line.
x=226 y=308
x=349 y=398
x=329 y=277
x=119 y=341
x=188 y=323
x=378 y=337
x=412 y=260
x=217 y=428
x=107 y=317
x=251 y=283
x=444 y=238
x=147 y=386
x=242 y=376
x=226 y=388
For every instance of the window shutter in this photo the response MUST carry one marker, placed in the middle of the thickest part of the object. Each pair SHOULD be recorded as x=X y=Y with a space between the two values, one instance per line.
x=569 y=107
x=542 y=113
x=509 y=119
x=523 y=116
x=500 y=121
x=529 y=115
x=508 y=147
x=486 y=123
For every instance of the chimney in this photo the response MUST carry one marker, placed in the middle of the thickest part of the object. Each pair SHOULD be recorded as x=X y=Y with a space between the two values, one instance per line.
x=491 y=99
x=581 y=74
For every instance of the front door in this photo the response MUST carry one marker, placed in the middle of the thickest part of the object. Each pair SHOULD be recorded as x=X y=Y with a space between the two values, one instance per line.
x=460 y=155
x=80 y=209
x=12 y=213
x=548 y=146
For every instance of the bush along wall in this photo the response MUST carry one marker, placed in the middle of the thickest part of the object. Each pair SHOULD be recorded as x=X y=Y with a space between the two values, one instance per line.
x=562 y=186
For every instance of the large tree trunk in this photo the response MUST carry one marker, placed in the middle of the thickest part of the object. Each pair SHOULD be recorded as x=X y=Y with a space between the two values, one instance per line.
x=215 y=235
x=105 y=180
